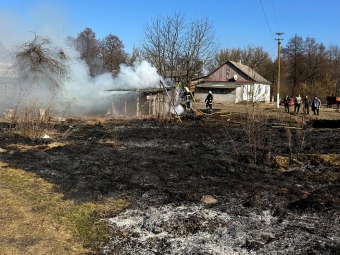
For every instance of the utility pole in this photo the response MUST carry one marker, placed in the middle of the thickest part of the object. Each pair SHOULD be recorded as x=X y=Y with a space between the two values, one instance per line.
x=278 y=67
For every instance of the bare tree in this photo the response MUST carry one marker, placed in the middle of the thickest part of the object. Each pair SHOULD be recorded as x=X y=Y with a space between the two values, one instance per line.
x=250 y=56
x=199 y=45
x=135 y=56
x=161 y=43
x=38 y=62
x=226 y=54
x=176 y=48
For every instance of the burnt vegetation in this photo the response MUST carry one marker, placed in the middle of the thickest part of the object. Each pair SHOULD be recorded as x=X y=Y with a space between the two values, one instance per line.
x=255 y=170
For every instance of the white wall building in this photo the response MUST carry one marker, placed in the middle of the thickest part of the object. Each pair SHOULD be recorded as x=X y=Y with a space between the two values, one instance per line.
x=232 y=83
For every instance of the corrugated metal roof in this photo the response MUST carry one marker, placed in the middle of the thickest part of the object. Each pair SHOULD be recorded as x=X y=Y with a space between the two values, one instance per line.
x=250 y=72
x=145 y=90
x=219 y=86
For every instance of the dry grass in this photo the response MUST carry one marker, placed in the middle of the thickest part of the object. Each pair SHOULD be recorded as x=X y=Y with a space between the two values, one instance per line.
x=36 y=220
x=330 y=159
x=41 y=147
x=284 y=162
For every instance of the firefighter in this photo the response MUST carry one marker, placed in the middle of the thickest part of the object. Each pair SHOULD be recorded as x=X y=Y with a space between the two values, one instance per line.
x=187 y=98
x=209 y=101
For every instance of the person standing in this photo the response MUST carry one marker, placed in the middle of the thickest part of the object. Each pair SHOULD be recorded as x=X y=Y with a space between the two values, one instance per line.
x=297 y=103
x=306 y=105
x=209 y=101
x=286 y=102
x=187 y=98
x=316 y=105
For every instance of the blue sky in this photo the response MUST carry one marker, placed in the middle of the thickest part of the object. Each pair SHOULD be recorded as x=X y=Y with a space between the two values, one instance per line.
x=236 y=23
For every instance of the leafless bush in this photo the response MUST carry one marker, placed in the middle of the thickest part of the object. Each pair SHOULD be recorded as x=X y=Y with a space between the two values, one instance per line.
x=39 y=63
x=257 y=139
x=300 y=135
x=255 y=135
x=296 y=136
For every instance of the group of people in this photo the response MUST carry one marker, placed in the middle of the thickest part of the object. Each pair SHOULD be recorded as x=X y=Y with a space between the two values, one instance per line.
x=306 y=102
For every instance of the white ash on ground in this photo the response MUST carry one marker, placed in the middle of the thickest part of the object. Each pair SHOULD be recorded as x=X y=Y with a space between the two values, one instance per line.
x=194 y=229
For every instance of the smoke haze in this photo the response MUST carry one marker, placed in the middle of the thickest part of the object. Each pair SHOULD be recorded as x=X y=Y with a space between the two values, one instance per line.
x=82 y=92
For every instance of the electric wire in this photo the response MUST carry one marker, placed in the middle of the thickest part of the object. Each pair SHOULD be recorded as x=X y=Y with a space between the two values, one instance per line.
x=275 y=16
x=266 y=19
x=272 y=53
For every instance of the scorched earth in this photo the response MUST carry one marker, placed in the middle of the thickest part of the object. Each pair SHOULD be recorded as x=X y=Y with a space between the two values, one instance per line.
x=228 y=183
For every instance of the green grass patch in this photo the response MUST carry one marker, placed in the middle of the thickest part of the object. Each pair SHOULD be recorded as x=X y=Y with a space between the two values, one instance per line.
x=34 y=219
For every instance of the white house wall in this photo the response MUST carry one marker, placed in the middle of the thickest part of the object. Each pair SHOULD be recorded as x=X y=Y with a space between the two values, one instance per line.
x=257 y=92
x=239 y=93
x=260 y=93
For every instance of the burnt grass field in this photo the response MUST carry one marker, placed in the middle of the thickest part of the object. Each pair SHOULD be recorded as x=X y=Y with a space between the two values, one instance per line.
x=200 y=184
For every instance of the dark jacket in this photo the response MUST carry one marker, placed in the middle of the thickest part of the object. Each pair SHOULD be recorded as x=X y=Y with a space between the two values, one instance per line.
x=286 y=101
x=209 y=99
x=307 y=101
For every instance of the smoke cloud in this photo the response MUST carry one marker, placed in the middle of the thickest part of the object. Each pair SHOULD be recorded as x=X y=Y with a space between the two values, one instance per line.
x=90 y=94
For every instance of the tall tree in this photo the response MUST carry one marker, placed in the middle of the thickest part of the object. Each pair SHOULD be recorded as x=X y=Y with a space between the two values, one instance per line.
x=307 y=67
x=113 y=52
x=334 y=60
x=293 y=55
x=315 y=61
x=89 y=49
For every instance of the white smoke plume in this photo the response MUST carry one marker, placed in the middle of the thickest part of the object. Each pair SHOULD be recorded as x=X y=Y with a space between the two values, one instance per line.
x=90 y=94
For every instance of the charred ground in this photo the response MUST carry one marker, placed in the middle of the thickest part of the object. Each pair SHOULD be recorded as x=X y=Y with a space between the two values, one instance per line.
x=285 y=168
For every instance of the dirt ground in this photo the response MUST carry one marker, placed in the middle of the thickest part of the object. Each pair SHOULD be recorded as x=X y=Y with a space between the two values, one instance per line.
x=230 y=182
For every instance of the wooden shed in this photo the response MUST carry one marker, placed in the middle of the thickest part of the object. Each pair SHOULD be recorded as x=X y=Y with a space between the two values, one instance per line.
x=138 y=103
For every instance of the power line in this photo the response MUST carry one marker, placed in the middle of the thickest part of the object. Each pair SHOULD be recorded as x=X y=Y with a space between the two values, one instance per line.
x=272 y=54
x=266 y=19
x=275 y=17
